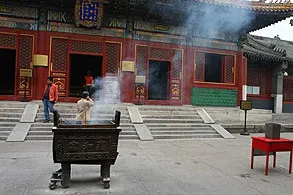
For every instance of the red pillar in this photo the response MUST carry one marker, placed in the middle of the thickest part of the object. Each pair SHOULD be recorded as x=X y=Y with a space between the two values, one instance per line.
x=42 y=47
x=188 y=69
x=127 y=78
x=242 y=74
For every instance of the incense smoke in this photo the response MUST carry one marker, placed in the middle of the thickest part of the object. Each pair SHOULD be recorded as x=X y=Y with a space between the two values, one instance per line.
x=107 y=94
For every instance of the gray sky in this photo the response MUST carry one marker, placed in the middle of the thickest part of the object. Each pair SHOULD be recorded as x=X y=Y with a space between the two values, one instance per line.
x=282 y=28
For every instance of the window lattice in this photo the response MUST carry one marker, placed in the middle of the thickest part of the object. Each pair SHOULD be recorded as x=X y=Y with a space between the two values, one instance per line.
x=88 y=47
x=199 y=66
x=113 y=58
x=141 y=60
x=229 y=74
x=59 y=55
x=287 y=89
x=7 y=40
x=162 y=54
x=177 y=63
x=25 y=51
x=264 y=89
x=253 y=77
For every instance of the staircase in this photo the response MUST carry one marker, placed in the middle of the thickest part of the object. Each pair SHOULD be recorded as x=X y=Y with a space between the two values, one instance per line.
x=43 y=131
x=175 y=122
x=10 y=115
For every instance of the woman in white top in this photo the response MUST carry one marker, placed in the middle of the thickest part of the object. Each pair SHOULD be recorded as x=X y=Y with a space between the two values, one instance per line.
x=84 y=106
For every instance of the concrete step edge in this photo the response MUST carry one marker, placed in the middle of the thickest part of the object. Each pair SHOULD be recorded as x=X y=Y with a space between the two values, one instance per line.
x=176 y=124
x=186 y=136
x=179 y=127
x=181 y=132
x=50 y=137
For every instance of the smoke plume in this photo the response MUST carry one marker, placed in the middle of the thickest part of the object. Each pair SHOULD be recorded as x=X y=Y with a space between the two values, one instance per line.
x=107 y=94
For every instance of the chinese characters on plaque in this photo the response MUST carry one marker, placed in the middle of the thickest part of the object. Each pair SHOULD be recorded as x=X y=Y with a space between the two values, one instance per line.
x=89 y=13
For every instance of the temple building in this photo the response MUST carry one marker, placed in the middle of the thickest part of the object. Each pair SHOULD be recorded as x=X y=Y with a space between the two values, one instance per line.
x=166 y=52
x=269 y=73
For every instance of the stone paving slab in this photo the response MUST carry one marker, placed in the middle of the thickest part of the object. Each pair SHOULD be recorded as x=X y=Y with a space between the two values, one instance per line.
x=134 y=115
x=205 y=116
x=30 y=113
x=223 y=132
x=143 y=132
x=19 y=132
x=179 y=167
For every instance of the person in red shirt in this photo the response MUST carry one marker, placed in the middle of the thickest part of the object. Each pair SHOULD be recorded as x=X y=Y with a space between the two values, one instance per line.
x=89 y=83
x=50 y=98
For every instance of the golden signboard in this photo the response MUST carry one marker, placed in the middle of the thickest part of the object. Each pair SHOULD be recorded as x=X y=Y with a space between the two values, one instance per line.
x=140 y=79
x=26 y=73
x=161 y=27
x=246 y=105
x=128 y=66
x=40 y=60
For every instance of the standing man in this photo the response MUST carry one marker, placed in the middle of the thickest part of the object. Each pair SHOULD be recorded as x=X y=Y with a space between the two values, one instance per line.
x=50 y=98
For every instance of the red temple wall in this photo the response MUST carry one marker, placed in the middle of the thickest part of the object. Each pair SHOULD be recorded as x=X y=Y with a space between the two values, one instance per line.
x=42 y=45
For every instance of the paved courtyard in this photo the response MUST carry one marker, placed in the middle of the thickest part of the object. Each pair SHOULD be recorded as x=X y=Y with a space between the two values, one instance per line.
x=199 y=166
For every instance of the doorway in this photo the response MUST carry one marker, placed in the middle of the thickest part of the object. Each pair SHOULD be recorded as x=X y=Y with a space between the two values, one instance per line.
x=7 y=78
x=79 y=66
x=158 y=80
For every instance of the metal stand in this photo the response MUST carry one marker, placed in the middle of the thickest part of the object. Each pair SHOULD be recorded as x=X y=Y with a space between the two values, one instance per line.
x=24 y=97
x=245 y=132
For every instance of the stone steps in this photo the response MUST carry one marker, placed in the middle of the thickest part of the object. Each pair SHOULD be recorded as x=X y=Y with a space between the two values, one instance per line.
x=187 y=136
x=9 y=114
x=9 y=119
x=16 y=105
x=163 y=107
x=4 y=128
x=73 y=111
x=74 y=106
x=12 y=110
x=50 y=125
x=73 y=115
x=175 y=112
x=5 y=133
x=159 y=120
x=185 y=132
x=43 y=132
x=72 y=119
x=50 y=137
x=171 y=116
x=179 y=128
x=176 y=123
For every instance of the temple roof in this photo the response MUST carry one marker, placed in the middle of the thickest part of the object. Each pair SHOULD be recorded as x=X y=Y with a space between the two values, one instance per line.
x=177 y=12
x=267 y=49
x=259 y=6
x=265 y=13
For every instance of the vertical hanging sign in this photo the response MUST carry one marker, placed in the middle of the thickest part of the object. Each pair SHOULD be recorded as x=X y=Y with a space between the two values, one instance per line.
x=89 y=13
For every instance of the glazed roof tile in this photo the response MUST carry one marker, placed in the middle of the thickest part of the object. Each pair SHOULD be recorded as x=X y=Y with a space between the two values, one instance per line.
x=271 y=49
x=254 y=5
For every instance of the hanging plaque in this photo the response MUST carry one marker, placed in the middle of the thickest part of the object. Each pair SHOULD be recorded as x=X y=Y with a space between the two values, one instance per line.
x=89 y=13
x=26 y=73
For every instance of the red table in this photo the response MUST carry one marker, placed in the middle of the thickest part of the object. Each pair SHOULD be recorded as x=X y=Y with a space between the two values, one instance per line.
x=271 y=145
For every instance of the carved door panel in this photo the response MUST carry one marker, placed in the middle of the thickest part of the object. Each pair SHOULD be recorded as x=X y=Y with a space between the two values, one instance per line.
x=58 y=65
x=25 y=52
x=176 y=82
